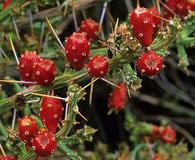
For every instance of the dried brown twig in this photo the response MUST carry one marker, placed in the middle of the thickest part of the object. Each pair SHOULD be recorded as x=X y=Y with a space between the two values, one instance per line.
x=55 y=11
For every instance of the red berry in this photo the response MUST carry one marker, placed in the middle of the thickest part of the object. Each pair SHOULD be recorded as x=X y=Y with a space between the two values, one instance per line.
x=149 y=63
x=44 y=72
x=170 y=5
x=156 y=131
x=156 y=21
x=27 y=128
x=192 y=5
x=77 y=50
x=7 y=158
x=26 y=63
x=44 y=144
x=51 y=113
x=90 y=28
x=141 y=21
x=180 y=7
x=118 y=97
x=98 y=66
x=6 y=4
x=78 y=65
x=168 y=135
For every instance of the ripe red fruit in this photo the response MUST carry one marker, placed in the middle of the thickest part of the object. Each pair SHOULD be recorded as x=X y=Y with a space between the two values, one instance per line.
x=26 y=63
x=180 y=7
x=6 y=4
x=98 y=66
x=192 y=5
x=90 y=28
x=44 y=72
x=51 y=113
x=171 y=5
x=77 y=65
x=77 y=50
x=168 y=135
x=149 y=63
x=118 y=97
x=27 y=128
x=141 y=21
x=156 y=21
x=44 y=144
x=156 y=131
x=7 y=158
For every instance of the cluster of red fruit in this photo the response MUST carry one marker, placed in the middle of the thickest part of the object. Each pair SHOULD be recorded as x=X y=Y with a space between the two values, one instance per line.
x=145 y=24
x=77 y=50
x=33 y=68
x=180 y=7
x=167 y=135
x=42 y=141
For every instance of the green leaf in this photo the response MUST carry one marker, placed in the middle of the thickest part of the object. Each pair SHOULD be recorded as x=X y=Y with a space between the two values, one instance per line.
x=27 y=156
x=183 y=58
x=186 y=41
x=7 y=11
x=2 y=130
x=99 y=51
x=81 y=135
x=70 y=153
x=37 y=119
x=22 y=148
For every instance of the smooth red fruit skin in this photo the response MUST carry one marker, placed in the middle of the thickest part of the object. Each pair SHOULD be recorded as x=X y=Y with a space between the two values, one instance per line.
x=98 y=66
x=6 y=4
x=141 y=21
x=77 y=50
x=118 y=97
x=51 y=113
x=90 y=28
x=149 y=63
x=27 y=128
x=44 y=144
x=156 y=21
x=168 y=135
x=26 y=63
x=44 y=72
